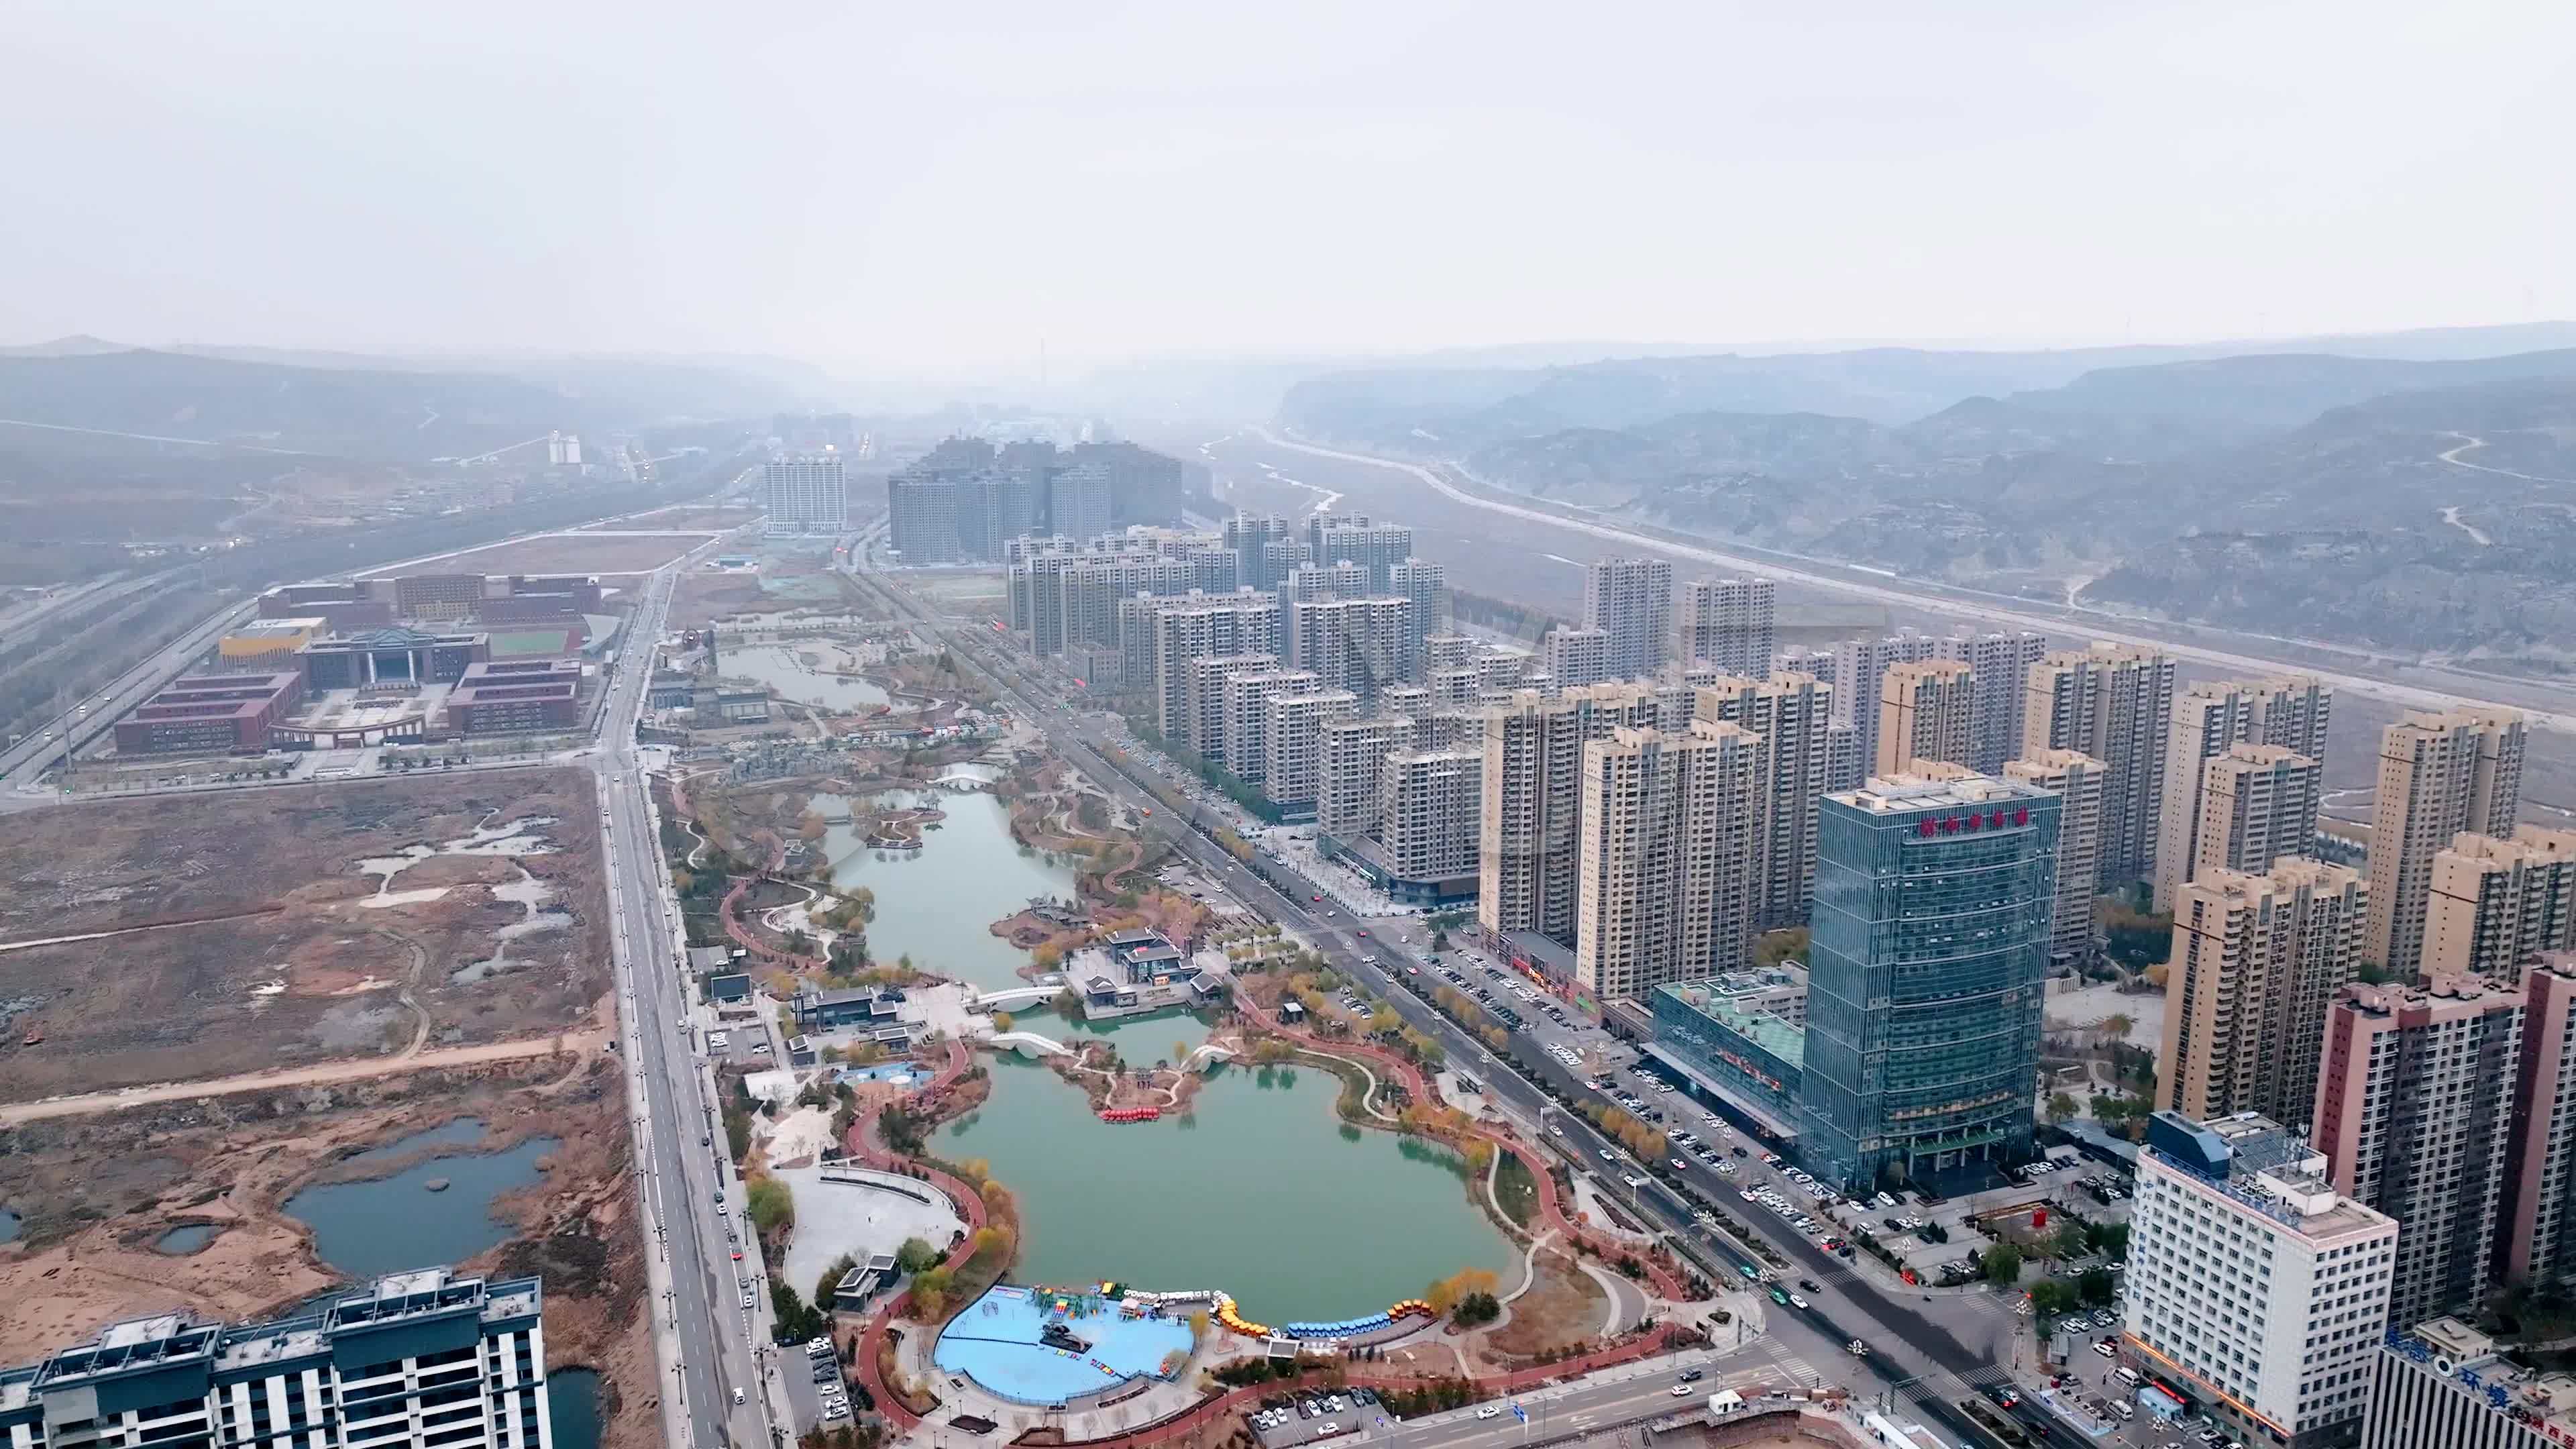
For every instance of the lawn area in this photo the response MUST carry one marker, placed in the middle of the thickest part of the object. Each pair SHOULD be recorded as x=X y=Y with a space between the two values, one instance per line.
x=1516 y=1190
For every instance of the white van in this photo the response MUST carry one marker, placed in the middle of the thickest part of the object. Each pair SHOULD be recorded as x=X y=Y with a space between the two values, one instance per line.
x=2129 y=1376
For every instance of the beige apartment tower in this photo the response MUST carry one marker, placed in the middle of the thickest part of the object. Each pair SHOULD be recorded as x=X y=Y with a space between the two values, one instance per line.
x=1664 y=882
x=1631 y=601
x=2077 y=779
x=1532 y=787
x=2496 y=905
x=2439 y=775
x=1730 y=624
x=2256 y=963
x=1793 y=714
x=1925 y=713
x=1348 y=793
x=2257 y=804
x=1428 y=801
x=2209 y=718
x=2115 y=704
x=1292 y=743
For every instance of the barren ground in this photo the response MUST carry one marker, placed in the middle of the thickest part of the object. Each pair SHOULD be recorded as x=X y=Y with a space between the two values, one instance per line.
x=568 y=553
x=95 y=1193
x=280 y=951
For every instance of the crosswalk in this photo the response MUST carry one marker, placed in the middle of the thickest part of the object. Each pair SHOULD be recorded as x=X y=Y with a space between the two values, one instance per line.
x=1798 y=1369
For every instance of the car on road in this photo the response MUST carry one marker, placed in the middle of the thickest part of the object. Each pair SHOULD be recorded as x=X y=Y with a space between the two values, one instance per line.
x=1797 y=1302
x=1780 y=1296
x=1609 y=1156
x=1810 y=1285
x=1488 y=1411
x=1681 y=1391
x=2105 y=1350
x=737 y=1255
x=1692 y=1376
x=2004 y=1396
x=1554 y=1130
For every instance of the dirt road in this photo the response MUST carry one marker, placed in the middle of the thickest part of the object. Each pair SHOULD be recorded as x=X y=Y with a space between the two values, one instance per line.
x=583 y=1043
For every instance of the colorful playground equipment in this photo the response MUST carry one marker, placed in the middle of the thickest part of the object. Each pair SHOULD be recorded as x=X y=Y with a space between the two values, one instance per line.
x=1130 y=1114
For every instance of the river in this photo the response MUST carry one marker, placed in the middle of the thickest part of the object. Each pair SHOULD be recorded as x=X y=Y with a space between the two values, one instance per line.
x=937 y=904
x=1261 y=1192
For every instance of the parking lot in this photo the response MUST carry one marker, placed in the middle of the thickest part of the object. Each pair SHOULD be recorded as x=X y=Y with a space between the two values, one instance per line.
x=1305 y=1418
x=814 y=1384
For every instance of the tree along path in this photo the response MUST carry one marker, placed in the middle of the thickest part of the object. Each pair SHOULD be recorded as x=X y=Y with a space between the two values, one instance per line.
x=863 y=1146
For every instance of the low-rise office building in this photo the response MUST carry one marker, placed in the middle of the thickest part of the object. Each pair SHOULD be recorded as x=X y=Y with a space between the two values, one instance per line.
x=532 y=694
x=210 y=714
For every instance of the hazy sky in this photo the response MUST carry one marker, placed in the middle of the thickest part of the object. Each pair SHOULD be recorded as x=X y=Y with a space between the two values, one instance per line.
x=895 y=186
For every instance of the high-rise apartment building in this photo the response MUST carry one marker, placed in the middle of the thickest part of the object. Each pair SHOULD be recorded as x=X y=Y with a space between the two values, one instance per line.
x=2076 y=779
x=2439 y=775
x=1859 y=674
x=1665 y=869
x=1208 y=711
x=2115 y=704
x=1925 y=713
x=2002 y=672
x=1427 y=828
x=1292 y=743
x=2209 y=718
x=1576 y=657
x=1376 y=547
x=1427 y=584
x=1631 y=600
x=2256 y=961
x=1791 y=712
x=2445 y=1385
x=2413 y=1107
x=806 y=494
x=1533 y=790
x=2536 y=1239
x=420 y=1360
x=2496 y=905
x=1731 y=624
x=2257 y=804
x=1246 y=535
x=1078 y=501
x=1309 y=582
x=1193 y=626
x=2255 y=1290
x=1925 y=972
x=1247 y=695
x=1363 y=645
x=1069 y=601
x=1350 y=792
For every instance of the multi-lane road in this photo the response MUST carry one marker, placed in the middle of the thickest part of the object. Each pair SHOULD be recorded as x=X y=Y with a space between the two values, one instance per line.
x=1920 y=1356
x=710 y=1343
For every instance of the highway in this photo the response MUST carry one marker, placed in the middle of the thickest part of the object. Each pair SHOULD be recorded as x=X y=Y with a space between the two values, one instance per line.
x=2546 y=705
x=698 y=1321
x=24 y=764
x=1924 y=1360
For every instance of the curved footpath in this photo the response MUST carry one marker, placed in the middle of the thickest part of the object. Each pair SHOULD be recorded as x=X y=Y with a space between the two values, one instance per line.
x=862 y=1145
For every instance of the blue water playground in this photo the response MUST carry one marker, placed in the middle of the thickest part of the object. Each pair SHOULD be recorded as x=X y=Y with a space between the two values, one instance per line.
x=1050 y=1346
x=1047 y=1347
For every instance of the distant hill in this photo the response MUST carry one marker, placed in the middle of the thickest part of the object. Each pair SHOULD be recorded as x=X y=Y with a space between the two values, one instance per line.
x=364 y=407
x=349 y=411
x=2277 y=391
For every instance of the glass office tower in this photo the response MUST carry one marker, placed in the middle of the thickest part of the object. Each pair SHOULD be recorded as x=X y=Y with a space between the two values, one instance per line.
x=1929 y=960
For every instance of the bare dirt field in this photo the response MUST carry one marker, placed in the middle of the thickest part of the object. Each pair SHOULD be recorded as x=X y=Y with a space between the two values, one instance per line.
x=712 y=518
x=567 y=553
x=295 y=925
x=96 y=1194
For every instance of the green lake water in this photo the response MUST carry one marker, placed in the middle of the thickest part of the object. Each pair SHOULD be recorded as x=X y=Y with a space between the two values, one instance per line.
x=937 y=904
x=1261 y=1192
